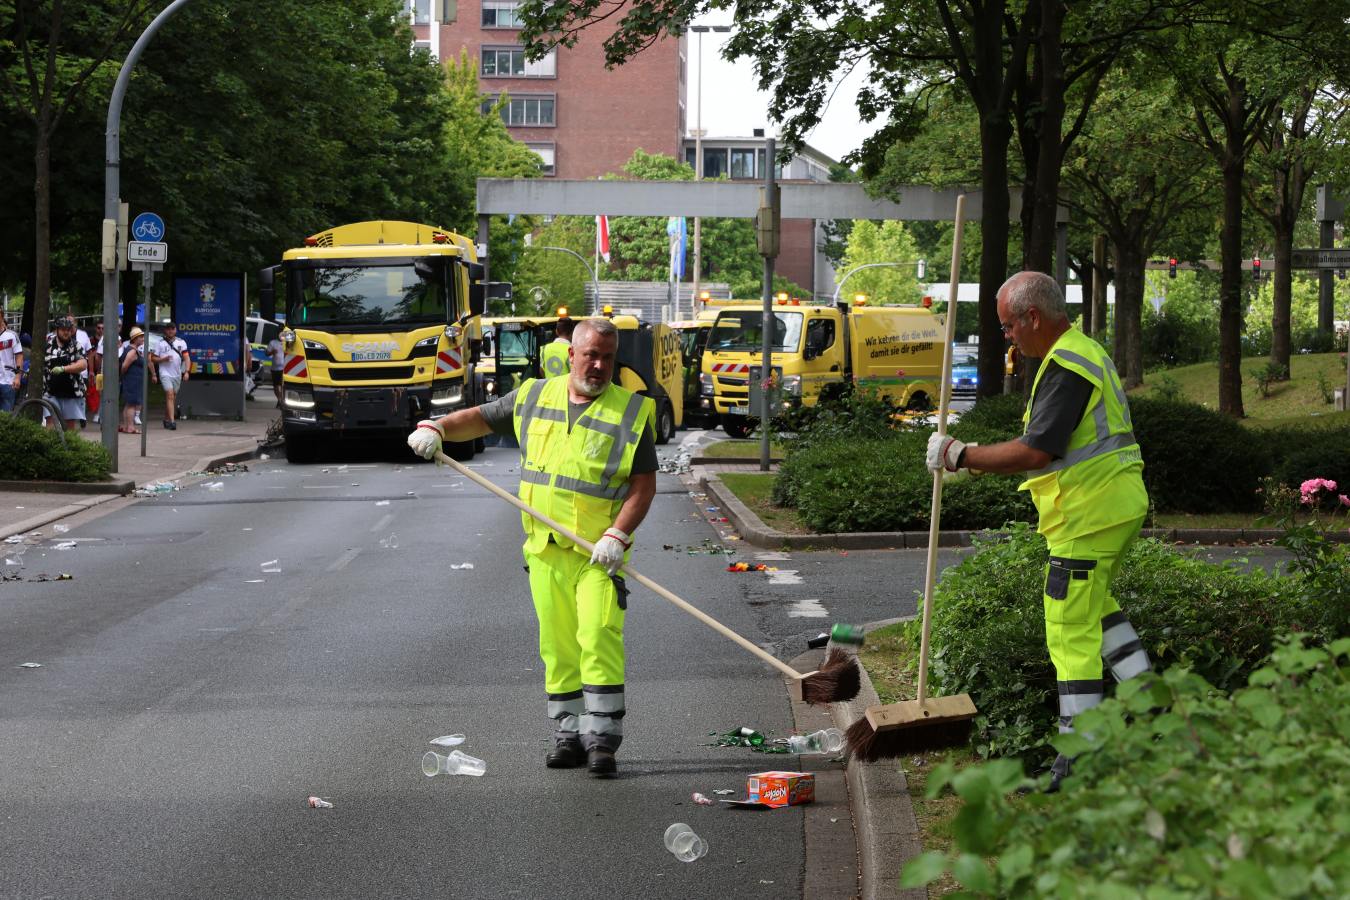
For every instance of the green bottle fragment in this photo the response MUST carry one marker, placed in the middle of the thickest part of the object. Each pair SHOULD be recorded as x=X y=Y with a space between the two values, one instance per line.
x=842 y=633
x=749 y=737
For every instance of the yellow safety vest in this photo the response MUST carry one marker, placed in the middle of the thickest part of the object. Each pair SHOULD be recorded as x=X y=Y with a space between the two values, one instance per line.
x=554 y=358
x=1099 y=481
x=578 y=478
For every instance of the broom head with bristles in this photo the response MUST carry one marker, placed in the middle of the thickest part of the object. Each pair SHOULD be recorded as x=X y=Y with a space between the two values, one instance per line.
x=899 y=729
x=836 y=681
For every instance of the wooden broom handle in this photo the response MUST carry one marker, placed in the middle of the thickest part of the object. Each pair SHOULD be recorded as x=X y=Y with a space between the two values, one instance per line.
x=935 y=511
x=636 y=576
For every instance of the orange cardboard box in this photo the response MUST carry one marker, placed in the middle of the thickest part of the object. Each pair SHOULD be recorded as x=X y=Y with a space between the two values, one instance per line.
x=776 y=789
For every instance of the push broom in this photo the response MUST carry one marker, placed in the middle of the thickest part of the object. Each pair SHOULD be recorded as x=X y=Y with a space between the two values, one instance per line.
x=926 y=723
x=837 y=680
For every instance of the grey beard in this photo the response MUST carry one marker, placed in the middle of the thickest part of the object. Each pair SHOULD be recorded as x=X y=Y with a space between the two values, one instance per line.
x=588 y=387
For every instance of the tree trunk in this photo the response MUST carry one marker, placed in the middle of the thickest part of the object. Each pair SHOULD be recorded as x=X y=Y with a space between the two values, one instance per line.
x=1087 y=276
x=1233 y=166
x=1040 y=240
x=1281 y=295
x=995 y=133
x=1128 y=348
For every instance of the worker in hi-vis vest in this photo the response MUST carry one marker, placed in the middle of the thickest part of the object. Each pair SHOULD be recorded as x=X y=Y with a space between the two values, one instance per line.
x=1085 y=475
x=588 y=461
x=554 y=355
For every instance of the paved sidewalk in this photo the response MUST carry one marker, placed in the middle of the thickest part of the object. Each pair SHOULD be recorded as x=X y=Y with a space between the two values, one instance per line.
x=197 y=445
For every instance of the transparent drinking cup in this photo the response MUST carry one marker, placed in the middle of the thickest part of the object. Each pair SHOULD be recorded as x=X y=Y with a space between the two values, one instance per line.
x=681 y=841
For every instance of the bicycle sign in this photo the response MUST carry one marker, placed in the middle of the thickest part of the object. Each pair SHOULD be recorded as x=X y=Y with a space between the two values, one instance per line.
x=148 y=227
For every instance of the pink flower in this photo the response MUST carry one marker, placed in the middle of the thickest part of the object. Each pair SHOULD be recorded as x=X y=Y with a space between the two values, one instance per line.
x=1308 y=489
x=1345 y=501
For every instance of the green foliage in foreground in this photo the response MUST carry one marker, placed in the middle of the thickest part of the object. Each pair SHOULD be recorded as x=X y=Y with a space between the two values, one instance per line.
x=988 y=636
x=29 y=452
x=1179 y=790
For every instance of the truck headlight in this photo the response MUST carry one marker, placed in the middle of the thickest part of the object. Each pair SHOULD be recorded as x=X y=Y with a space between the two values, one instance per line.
x=705 y=384
x=490 y=387
x=299 y=398
x=792 y=384
x=447 y=396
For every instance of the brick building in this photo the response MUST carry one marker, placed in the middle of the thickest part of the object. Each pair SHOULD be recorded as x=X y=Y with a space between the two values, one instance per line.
x=585 y=121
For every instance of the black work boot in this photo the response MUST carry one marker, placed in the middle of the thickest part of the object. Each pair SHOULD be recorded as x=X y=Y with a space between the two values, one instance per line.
x=565 y=755
x=1059 y=770
x=601 y=762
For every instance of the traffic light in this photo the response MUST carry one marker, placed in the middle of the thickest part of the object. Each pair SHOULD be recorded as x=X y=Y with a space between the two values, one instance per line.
x=1172 y=267
x=1256 y=268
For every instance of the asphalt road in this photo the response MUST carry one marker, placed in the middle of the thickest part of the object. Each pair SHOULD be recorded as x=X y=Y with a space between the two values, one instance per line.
x=189 y=700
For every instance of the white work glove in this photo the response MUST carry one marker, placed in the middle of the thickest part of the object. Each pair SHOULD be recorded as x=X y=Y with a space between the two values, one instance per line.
x=610 y=548
x=426 y=439
x=944 y=452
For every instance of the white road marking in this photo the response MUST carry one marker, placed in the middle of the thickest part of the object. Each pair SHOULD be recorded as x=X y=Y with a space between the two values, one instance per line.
x=341 y=562
x=772 y=555
x=379 y=526
x=785 y=576
x=807 y=609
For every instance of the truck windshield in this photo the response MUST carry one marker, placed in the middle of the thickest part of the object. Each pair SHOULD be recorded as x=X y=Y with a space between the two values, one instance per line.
x=745 y=331
x=514 y=347
x=403 y=294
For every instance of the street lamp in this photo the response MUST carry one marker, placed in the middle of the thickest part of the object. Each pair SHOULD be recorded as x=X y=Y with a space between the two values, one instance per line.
x=594 y=280
x=698 y=160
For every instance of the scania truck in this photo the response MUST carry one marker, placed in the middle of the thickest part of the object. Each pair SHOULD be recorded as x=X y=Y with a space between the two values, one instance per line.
x=382 y=330
x=815 y=348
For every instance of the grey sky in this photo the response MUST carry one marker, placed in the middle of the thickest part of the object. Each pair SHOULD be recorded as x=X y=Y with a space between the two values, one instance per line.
x=732 y=106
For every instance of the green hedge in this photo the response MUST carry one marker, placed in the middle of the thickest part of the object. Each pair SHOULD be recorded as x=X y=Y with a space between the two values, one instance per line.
x=1179 y=791
x=30 y=452
x=989 y=633
x=1197 y=460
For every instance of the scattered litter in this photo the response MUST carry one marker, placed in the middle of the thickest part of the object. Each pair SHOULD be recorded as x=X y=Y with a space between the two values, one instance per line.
x=156 y=488
x=749 y=567
x=30 y=665
x=456 y=763
x=65 y=545
x=701 y=800
x=389 y=543
x=449 y=740
x=722 y=792
x=255 y=581
x=263 y=456
x=228 y=468
x=382 y=503
x=14 y=539
x=687 y=846
x=319 y=803
x=461 y=565
x=678 y=465
x=270 y=562
x=216 y=486
x=766 y=881
x=60 y=529
x=271 y=571
x=248 y=529
x=832 y=821
x=356 y=484
x=412 y=493
x=43 y=576
x=709 y=547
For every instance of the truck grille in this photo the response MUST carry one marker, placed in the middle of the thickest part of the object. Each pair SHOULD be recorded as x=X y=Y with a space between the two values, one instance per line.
x=370 y=373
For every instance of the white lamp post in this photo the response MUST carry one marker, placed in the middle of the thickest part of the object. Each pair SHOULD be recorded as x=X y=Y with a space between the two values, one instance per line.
x=698 y=168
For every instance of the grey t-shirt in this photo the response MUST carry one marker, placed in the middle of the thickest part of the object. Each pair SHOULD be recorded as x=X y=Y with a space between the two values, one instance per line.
x=1060 y=402
x=500 y=417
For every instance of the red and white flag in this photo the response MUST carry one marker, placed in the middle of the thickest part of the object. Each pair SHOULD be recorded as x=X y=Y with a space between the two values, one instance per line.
x=602 y=237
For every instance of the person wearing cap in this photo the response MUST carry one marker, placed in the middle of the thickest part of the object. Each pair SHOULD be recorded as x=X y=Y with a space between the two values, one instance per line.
x=65 y=364
x=11 y=365
x=171 y=359
x=132 y=367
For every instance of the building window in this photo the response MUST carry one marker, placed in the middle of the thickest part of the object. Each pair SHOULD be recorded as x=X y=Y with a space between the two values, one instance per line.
x=421 y=10
x=501 y=14
x=548 y=155
x=714 y=162
x=689 y=157
x=422 y=45
x=526 y=110
x=510 y=62
x=743 y=164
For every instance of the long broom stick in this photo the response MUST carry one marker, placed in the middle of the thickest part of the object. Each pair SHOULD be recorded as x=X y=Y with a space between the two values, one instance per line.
x=836 y=681
x=925 y=723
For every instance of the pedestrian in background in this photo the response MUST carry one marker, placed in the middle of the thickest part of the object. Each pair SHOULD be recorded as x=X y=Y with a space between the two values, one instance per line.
x=554 y=356
x=588 y=458
x=11 y=365
x=65 y=365
x=93 y=392
x=1085 y=475
x=171 y=359
x=131 y=364
x=277 y=350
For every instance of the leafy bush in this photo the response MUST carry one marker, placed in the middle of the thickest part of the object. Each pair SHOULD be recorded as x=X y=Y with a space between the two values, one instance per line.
x=30 y=452
x=1178 y=791
x=849 y=483
x=989 y=632
x=1001 y=413
x=1304 y=453
x=844 y=410
x=1197 y=460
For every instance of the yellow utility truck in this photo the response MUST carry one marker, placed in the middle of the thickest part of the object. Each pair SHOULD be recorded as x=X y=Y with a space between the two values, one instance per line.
x=815 y=349
x=382 y=329
x=693 y=338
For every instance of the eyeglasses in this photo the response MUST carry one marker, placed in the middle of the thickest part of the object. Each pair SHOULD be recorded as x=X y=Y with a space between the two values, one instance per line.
x=1008 y=326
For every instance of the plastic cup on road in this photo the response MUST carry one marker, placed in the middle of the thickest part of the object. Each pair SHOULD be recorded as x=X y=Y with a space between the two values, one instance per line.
x=681 y=841
x=455 y=763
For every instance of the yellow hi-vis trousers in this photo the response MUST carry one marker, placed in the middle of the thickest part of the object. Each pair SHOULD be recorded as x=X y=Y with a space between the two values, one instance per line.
x=1084 y=625
x=581 y=611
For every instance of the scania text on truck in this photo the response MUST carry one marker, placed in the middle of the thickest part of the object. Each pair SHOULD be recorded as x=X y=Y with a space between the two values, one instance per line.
x=382 y=330
x=815 y=349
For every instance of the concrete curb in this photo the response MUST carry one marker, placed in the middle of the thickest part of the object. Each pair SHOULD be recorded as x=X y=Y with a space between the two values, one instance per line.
x=754 y=532
x=69 y=487
x=79 y=506
x=885 y=829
